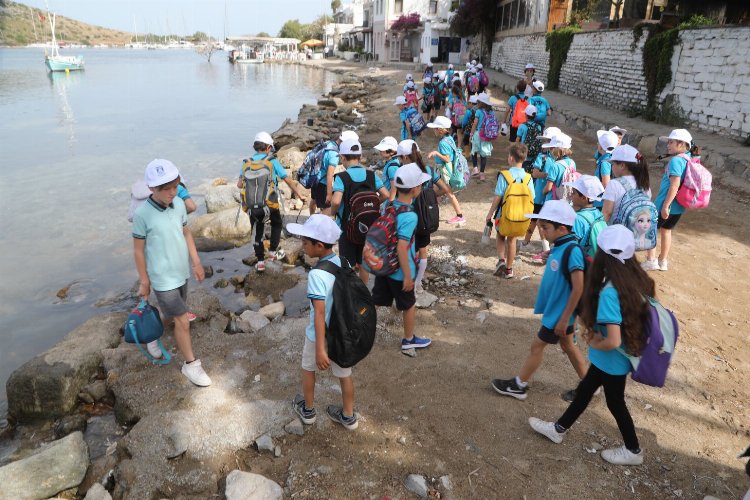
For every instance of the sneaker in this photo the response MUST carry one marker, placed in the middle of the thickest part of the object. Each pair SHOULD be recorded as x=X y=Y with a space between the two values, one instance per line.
x=277 y=255
x=194 y=373
x=418 y=288
x=650 y=265
x=415 y=343
x=456 y=220
x=500 y=267
x=191 y=316
x=622 y=456
x=154 y=349
x=475 y=173
x=570 y=395
x=337 y=415
x=546 y=429
x=663 y=265
x=510 y=388
x=481 y=176
x=307 y=415
x=260 y=266
x=539 y=258
x=508 y=273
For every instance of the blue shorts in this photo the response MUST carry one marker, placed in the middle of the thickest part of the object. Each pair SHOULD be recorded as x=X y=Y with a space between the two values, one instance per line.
x=549 y=336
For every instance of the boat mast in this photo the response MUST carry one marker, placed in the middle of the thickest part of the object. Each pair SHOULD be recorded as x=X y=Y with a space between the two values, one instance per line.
x=33 y=24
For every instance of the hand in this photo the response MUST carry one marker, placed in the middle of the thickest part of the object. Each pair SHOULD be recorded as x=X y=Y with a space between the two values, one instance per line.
x=302 y=197
x=199 y=272
x=432 y=154
x=321 y=359
x=408 y=285
x=144 y=289
x=561 y=327
x=665 y=212
x=329 y=196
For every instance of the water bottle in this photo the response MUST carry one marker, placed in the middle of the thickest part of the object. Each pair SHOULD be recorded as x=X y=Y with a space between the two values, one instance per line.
x=487 y=233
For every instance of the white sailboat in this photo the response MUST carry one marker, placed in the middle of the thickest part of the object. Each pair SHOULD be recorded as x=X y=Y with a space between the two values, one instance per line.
x=56 y=62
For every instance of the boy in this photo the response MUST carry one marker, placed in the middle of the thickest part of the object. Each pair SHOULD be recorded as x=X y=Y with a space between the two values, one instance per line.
x=529 y=134
x=512 y=101
x=400 y=285
x=506 y=243
x=360 y=179
x=556 y=300
x=468 y=122
x=322 y=193
x=543 y=108
x=587 y=189
x=428 y=98
x=263 y=146
x=319 y=233
x=542 y=163
x=403 y=117
x=162 y=244
x=607 y=141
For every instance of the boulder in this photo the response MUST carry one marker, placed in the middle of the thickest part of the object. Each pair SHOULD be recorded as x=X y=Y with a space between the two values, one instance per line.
x=273 y=311
x=210 y=245
x=291 y=157
x=298 y=135
x=69 y=424
x=224 y=226
x=249 y=486
x=251 y=321
x=295 y=427
x=97 y=492
x=204 y=304
x=47 y=386
x=425 y=300
x=58 y=467
x=220 y=198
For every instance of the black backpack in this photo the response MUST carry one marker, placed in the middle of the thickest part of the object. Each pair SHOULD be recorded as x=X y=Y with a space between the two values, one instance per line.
x=428 y=211
x=564 y=263
x=350 y=333
x=361 y=206
x=533 y=139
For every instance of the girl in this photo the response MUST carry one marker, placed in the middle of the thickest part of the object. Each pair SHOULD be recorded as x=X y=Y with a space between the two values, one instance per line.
x=428 y=71
x=543 y=162
x=467 y=124
x=512 y=101
x=409 y=78
x=680 y=146
x=412 y=98
x=446 y=153
x=480 y=148
x=613 y=313
x=457 y=106
x=606 y=142
x=631 y=172
x=403 y=116
x=428 y=99
x=449 y=74
x=387 y=149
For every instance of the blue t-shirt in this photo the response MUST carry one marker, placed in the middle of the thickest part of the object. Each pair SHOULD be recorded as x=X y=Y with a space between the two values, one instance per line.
x=512 y=102
x=358 y=173
x=608 y=313
x=556 y=172
x=480 y=114
x=320 y=287
x=389 y=172
x=468 y=117
x=603 y=167
x=517 y=173
x=428 y=91
x=404 y=117
x=675 y=168
x=543 y=162
x=554 y=289
x=330 y=159
x=449 y=76
x=447 y=147
x=585 y=218
x=406 y=224
x=278 y=172
x=542 y=107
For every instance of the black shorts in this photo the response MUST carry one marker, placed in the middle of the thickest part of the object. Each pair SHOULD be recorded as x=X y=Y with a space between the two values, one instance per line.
x=318 y=194
x=538 y=207
x=351 y=252
x=513 y=134
x=550 y=337
x=670 y=222
x=386 y=290
x=421 y=241
x=438 y=104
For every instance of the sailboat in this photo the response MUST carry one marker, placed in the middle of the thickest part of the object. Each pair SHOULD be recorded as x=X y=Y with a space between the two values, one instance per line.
x=56 y=62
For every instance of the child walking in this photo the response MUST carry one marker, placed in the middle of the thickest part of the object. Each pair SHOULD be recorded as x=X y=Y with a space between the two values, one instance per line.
x=403 y=117
x=587 y=189
x=480 y=148
x=607 y=142
x=516 y=119
x=542 y=164
x=445 y=154
x=321 y=194
x=543 y=109
x=630 y=172
x=612 y=313
x=387 y=148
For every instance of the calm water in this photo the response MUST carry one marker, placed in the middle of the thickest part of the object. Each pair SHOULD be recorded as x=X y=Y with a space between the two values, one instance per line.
x=72 y=145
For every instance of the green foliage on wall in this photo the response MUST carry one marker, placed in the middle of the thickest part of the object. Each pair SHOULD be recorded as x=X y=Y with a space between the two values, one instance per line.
x=657 y=62
x=557 y=43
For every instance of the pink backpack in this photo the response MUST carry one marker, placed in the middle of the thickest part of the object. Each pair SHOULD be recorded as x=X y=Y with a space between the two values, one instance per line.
x=695 y=190
x=563 y=192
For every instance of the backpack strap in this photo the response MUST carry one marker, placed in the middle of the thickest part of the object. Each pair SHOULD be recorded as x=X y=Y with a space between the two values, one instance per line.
x=565 y=261
x=509 y=180
x=330 y=267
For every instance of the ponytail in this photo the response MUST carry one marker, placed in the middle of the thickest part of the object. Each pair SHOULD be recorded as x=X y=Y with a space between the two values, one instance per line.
x=695 y=150
x=416 y=157
x=639 y=170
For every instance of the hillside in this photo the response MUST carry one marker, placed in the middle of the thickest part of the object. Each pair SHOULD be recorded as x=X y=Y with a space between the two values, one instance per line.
x=16 y=28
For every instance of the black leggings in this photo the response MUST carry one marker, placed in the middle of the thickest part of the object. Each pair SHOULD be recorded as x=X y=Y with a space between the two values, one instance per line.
x=257 y=219
x=482 y=161
x=614 y=391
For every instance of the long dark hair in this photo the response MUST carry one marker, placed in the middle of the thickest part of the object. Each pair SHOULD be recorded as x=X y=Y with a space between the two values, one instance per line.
x=416 y=157
x=631 y=283
x=639 y=170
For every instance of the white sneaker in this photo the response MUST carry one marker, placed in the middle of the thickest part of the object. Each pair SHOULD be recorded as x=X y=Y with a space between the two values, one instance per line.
x=546 y=429
x=650 y=265
x=154 y=349
x=194 y=373
x=418 y=288
x=663 y=265
x=260 y=266
x=278 y=255
x=622 y=456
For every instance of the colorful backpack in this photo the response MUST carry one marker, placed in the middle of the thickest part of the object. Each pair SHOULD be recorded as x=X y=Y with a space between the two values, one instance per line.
x=379 y=255
x=308 y=173
x=519 y=112
x=518 y=201
x=532 y=140
x=695 y=190
x=361 y=208
x=490 y=128
x=596 y=224
x=456 y=173
x=638 y=213
x=258 y=190
x=416 y=121
x=473 y=84
x=411 y=98
x=457 y=115
x=483 y=79
x=561 y=191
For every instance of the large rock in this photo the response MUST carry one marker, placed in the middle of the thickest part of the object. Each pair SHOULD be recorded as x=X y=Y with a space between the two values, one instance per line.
x=97 y=492
x=291 y=157
x=251 y=321
x=296 y=134
x=220 y=198
x=273 y=311
x=48 y=385
x=224 y=225
x=204 y=304
x=60 y=466
x=249 y=486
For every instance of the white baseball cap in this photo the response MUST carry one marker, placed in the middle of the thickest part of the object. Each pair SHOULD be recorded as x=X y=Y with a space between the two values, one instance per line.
x=429 y=64
x=680 y=134
x=607 y=140
x=618 y=130
x=618 y=241
x=160 y=172
x=589 y=186
x=264 y=137
x=530 y=66
x=450 y=66
x=409 y=176
x=348 y=135
x=317 y=227
x=625 y=153
x=473 y=99
x=409 y=77
x=350 y=147
x=410 y=84
x=561 y=140
x=427 y=79
x=530 y=110
x=404 y=147
x=468 y=65
x=479 y=66
x=558 y=211
x=538 y=85
x=400 y=101
x=551 y=133
x=388 y=143
x=483 y=97
x=441 y=122
x=473 y=62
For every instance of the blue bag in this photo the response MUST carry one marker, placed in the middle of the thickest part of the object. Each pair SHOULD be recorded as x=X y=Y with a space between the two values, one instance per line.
x=143 y=326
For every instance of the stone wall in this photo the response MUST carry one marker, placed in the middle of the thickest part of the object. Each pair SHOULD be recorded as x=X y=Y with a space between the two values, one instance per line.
x=512 y=53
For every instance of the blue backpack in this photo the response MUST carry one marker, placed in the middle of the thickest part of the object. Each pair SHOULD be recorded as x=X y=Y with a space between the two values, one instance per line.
x=143 y=326
x=308 y=173
x=638 y=213
x=416 y=121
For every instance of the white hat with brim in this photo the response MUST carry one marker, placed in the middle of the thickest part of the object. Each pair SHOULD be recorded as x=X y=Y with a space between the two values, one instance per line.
x=626 y=154
x=530 y=110
x=473 y=99
x=539 y=86
x=348 y=135
x=589 y=186
x=618 y=241
x=530 y=66
x=551 y=132
x=608 y=140
x=264 y=137
x=618 y=130
x=400 y=101
x=410 y=176
x=404 y=147
x=411 y=85
x=441 y=122
x=388 y=143
x=409 y=77
x=562 y=141
x=558 y=211
x=317 y=227
x=350 y=147
x=427 y=79
x=484 y=98
x=160 y=172
x=679 y=134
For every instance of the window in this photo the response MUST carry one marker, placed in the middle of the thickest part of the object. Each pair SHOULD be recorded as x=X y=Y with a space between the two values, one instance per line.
x=398 y=6
x=433 y=7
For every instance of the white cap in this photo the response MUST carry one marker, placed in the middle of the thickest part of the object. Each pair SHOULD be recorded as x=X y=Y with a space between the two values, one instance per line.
x=483 y=97
x=450 y=66
x=410 y=84
x=409 y=176
x=441 y=122
x=607 y=140
x=388 y=143
x=551 y=132
x=404 y=147
x=530 y=110
x=563 y=141
x=348 y=135
x=558 y=211
x=680 y=134
x=427 y=79
x=539 y=86
x=264 y=137
x=160 y=172
x=468 y=65
x=618 y=130
x=479 y=66
x=350 y=147
x=456 y=78
x=409 y=77
x=400 y=101
x=473 y=99
x=473 y=62
x=530 y=66
x=625 y=153
x=317 y=227
x=429 y=64
x=617 y=241
x=589 y=186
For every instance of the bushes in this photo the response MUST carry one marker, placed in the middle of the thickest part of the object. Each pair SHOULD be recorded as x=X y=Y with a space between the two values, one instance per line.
x=557 y=43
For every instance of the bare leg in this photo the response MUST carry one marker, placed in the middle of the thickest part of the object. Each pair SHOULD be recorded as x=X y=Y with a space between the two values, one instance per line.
x=410 y=317
x=510 y=250
x=454 y=202
x=363 y=274
x=574 y=355
x=500 y=244
x=534 y=359
x=182 y=337
x=313 y=206
x=347 y=395
x=308 y=388
x=666 y=243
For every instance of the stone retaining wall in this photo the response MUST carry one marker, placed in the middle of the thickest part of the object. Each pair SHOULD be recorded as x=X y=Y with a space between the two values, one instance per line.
x=513 y=53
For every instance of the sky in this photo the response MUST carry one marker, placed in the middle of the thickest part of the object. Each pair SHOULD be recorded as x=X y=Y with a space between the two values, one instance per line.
x=244 y=17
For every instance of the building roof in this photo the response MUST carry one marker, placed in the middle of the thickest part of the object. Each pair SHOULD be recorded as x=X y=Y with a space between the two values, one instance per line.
x=262 y=39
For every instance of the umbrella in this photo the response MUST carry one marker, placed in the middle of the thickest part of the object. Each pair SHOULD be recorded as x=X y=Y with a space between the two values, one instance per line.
x=312 y=43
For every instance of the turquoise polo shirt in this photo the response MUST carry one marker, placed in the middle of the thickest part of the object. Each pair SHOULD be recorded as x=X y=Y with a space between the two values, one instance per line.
x=543 y=162
x=603 y=167
x=608 y=313
x=358 y=173
x=542 y=107
x=406 y=224
x=554 y=290
x=517 y=173
x=556 y=171
x=320 y=287
x=446 y=146
x=389 y=172
x=675 y=168
x=167 y=262
x=585 y=219
x=330 y=160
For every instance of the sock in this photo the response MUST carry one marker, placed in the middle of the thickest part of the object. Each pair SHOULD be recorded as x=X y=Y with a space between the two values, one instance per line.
x=459 y=215
x=560 y=429
x=421 y=268
x=545 y=246
x=521 y=384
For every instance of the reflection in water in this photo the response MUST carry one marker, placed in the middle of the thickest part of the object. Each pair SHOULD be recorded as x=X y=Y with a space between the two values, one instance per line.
x=60 y=82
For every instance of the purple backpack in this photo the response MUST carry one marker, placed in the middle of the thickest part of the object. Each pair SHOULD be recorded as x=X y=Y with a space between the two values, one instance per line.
x=661 y=331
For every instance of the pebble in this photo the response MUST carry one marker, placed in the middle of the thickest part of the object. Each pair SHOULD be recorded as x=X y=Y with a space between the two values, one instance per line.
x=295 y=427
x=416 y=484
x=482 y=316
x=412 y=353
x=277 y=452
x=264 y=443
x=446 y=482
x=208 y=271
x=401 y=440
x=257 y=378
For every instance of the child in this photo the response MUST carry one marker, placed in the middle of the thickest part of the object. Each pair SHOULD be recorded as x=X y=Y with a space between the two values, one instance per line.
x=480 y=148
x=360 y=180
x=543 y=109
x=607 y=141
x=322 y=193
x=409 y=78
x=457 y=106
x=631 y=172
x=467 y=125
x=482 y=76
x=263 y=157
x=513 y=100
x=388 y=148
x=528 y=76
x=586 y=190
x=428 y=71
x=506 y=243
x=319 y=233
x=162 y=244
x=403 y=117
x=441 y=92
x=612 y=312
x=542 y=163
x=557 y=298
x=446 y=153
x=428 y=99
x=529 y=134
x=449 y=74
x=619 y=132
x=471 y=81
x=411 y=95
x=680 y=146
x=400 y=285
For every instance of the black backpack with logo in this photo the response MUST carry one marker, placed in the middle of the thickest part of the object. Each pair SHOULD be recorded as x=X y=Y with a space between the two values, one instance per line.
x=361 y=206
x=428 y=210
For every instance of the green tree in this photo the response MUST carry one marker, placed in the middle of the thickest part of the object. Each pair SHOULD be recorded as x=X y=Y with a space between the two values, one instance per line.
x=293 y=29
x=199 y=36
x=315 y=29
x=335 y=5
x=263 y=34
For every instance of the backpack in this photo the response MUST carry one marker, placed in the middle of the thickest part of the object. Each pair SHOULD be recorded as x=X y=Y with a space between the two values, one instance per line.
x=519 y=112
x=143 y=326
x=661 y=331
x=634 y=205
x=259 y=191
x=457 y=115
x=565 y=261
x=473 y=84
x=490 y=128
x=139 y=192
x=483 y=79
x=416 y=121
x=411 y=97
x=350 y=333
x=532 y=140
x=588 y=241
x=428 y=210
x=361 y=208
x=518 y=201
x=380 y=255
x=458 y=175
x=308 y=173
x=695 y=190
x=561 y=191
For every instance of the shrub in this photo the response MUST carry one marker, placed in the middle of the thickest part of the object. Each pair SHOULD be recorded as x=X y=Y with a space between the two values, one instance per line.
x=557 y=43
